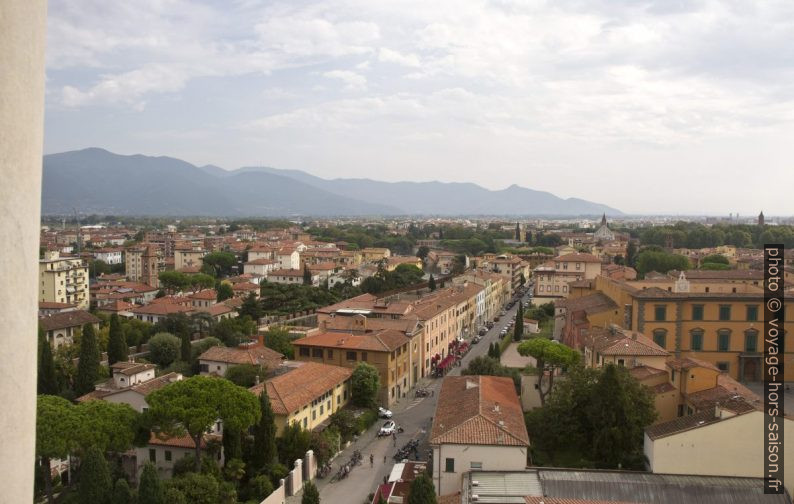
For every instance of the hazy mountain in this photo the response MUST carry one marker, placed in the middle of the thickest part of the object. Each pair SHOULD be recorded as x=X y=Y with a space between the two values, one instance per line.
x=98 y=181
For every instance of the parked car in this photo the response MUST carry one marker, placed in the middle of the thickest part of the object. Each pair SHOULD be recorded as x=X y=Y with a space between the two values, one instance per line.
x=384 y=413
x=496 y=319
x=489 y=324
x=476 y=339
x=483 y=331
x=388 y=428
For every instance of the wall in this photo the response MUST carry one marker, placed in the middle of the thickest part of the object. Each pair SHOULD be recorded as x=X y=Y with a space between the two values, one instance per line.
x=730 y=447
x=493 y=458
x=22 y=41
x=304 y=470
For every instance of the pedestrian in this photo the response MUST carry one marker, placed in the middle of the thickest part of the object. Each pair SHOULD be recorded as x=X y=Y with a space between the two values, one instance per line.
x=384 y=459
x=371 y=460
x=394 y=436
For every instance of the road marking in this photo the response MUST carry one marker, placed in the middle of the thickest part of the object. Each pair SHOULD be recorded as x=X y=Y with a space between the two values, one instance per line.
x=414 y=403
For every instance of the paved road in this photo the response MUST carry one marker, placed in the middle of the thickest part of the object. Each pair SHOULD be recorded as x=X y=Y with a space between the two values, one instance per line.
x=415 y=415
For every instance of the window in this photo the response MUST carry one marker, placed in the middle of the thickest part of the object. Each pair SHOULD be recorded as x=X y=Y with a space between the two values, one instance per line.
x=722 y=366
x=322 y=409
x=660 y=312
x=351 y=356
x=364 y=356
x=680 y=410
x=725 y=312
x=314 y=416
x=476 y=465
x=660 y=337
x=168 y=455
x=449 y=465
x=751 y=341
x=621 y=362
x=672 y=375
x=330 y=354
x=723 y=340
x=697 y=312
x=152 y=455
x=305 y=422
x=317 y=353
x=304 y=351
x=696 y=343
x=752 y=313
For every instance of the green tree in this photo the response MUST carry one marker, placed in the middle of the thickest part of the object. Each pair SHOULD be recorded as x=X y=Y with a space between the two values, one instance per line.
x=716 y=259
x=173 y=281
x=432 y=283
x=549 y=356
x=193 y=405
x=200 y=281
x=95 y=485
x=422 y=491
x=56 y=425
x=264 y=435
x=491 y=367
x=631 y=254
x=310 y=494
x=518 y=330
x=88 y=366
x=422 y=252
x=196 y=488
x=260 y=487
x=164 y=348
x=121 y=492
x=185 y=348
x=662 y=262
x=221 y=262
x=293 y=443
x=224 y=291
x=150 y=489
x=278 y=338
x=245 y=375
x=47 y=378
x=251 y=307
x=107 y=426
x=117 y=346
x=365 y=385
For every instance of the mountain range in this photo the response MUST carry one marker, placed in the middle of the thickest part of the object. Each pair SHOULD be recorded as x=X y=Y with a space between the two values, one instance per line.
x=100 y=182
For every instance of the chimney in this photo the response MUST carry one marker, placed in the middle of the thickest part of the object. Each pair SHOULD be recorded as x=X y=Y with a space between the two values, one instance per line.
x=256 y=382
x=260 y=338
x=496 y=407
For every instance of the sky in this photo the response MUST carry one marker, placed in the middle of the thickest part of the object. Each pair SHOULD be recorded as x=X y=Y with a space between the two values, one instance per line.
x=668 y=107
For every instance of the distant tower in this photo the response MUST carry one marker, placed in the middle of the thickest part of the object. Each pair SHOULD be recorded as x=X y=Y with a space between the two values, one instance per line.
x=761 y=219
x=604 y=219
x=518 y=231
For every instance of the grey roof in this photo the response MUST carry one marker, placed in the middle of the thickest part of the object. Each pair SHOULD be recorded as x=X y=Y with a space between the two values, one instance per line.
x=655 y=488
x=508 y=487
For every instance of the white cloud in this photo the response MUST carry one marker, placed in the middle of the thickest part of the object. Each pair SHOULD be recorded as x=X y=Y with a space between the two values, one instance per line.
x=409 y=60
x=352 y=80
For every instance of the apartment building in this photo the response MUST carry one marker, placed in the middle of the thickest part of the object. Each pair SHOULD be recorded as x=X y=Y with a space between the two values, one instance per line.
x=188 y=258
x=552 y=279
x=307 y=395
x=144 y=264
x=63 y=280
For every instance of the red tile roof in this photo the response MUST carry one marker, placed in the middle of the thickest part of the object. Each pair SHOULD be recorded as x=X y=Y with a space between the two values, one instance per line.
x=479 y=410
x=256 y=354
x=293 y=390
x=577 y=257
x=62 y=320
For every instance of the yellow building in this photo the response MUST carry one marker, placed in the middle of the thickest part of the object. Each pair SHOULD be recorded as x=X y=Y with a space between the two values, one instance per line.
x=374 y=254
x=719 y=322
x=391 y=346
x=308 y=395
x=188 y=258
x=63 y=280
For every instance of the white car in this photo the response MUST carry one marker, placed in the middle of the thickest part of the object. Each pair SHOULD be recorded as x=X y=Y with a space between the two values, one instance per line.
x=388 y=428
x=384 y=413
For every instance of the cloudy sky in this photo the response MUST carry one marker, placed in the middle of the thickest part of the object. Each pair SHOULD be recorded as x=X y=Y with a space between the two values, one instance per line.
x=671 y=107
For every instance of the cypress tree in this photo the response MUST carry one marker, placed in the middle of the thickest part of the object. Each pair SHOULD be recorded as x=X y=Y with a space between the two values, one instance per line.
x=232 y=444
x=307 y=275
x=121 y=492
x=149 y=489
x=95 y=485
x=88 y=367
x=187 y=348
x=264 y=435
x=422 y=491
x=47 y=381
x=432 y=283
x=117 y=345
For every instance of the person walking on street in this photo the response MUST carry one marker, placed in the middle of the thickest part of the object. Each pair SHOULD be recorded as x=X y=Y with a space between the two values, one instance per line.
x=394 y=436
x=384 y=459
x=371 y=460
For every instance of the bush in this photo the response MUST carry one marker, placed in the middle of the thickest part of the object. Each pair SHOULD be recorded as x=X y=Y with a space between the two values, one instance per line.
x=245 y=375
x=164 y=348
x=259 y=487
x=366 y=419
x=345 y=424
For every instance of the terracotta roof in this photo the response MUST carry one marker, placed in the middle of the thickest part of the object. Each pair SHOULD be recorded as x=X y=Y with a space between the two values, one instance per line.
x=50 y=305
x=62 y=320
x=619 y=341
x=216 y=309
x=116 y=305
x=206 y=295
x=479 y=410
x=261 y=262
x=150 y=386
x=131 y=368
x=177 y=441
x=662 y=388
x=577 y=257
x=254 y=355
x=737 y=274
x=643 y=372
x=725 y=398
x=368 y=302
x=386 y=340
x=293 y=390
x=286 y=272
x=685 y=363
x=596 y=302
x=245 y=286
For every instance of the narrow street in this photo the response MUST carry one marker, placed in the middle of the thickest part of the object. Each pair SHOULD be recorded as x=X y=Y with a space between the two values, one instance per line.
x=414 y=415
